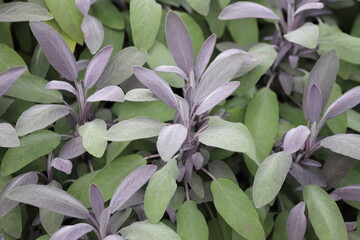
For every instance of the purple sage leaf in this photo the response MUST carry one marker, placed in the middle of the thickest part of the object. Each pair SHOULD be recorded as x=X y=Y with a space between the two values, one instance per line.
x=73 y=232
x=50 y=198
x=109 y=93
x=351 y=192
x=309 y=6
x=83 y=6
x=72 y=148
x=296 y=222
x=286 y=81
x=82 y=64
x=205 y=55
x=295 y=139
x=198 y=160
x=217 y=96
x=96 y=200
x=244 y=9
x=315 y=103
x=6 y=205
x=130 y=185
x=63 y=165
x=55 y=49
x=179 y=42
x=60 y=85
x=172 y=69
x=8 y=78
x=93 y=33
x=157 y=85
x=97 y=66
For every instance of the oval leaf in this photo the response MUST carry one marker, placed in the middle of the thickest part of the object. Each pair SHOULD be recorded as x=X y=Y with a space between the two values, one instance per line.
x=247 y=10
x=295 y=139
x=306 y=35
x=23 y=12
x=109 y=93
x=93 y=137
x=345 y=144
x=8 y=136
x=296 y=222
x=170 y=140
x=93 y=33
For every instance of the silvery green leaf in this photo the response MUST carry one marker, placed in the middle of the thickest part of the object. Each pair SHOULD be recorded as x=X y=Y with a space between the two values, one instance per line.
x=121 y=65
x=179 y=42
x=296 y=222
x=323 y=75
x=50 y=198
x=218 y=95
x=93 y=137
x=6 y=205
x=205 y=55
x=347 y=101
x=97 y=66
x=306 y=35
x=220 y=71
x=245 y=9
x=295 y=139
x=23 y=12
x=60 y=85
x=270 y=177
x=170 y=140
x=140 y=95
x=113 y=237
x=160 y=190
x=8 y=136
x=345 y=144
x=8 y=78
x=93 y=33
x=134 y=128
x=158 y=86
x=63 y=165
x=39 y=117
x=109 y=93
x=130 y=185
x=72 y=232
x=149 y=231
x=309 y=6
x=55 y=49
x=72 y=148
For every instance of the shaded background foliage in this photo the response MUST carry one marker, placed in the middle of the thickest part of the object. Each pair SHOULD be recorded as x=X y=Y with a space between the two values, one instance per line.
x=119 y=119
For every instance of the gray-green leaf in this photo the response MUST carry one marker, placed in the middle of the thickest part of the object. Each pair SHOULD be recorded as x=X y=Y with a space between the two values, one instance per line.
x=23 y=11
x=306 y=35
x=200 y=6
x=237 y=210
x=324 y=214
x=8 y=137
x=160 y=190
x=345 y=144
x=270 y=177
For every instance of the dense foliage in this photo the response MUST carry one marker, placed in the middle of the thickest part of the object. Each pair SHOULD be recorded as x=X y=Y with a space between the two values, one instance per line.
x=180 y=119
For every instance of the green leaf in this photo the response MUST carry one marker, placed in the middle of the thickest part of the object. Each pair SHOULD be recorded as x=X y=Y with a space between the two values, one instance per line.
x=347 y=47
x=200 y=6
x=236 y=208
x=5 y=36
x=270 y=177
x=280 y=231
x=31 y=147
x=148 y=231
x=306 y=35
x=23 y=12
x=191 y=223
x=157 y=110
x=353 y=120
x=118 y=169
x=159 y=55
x=160 y=190
x=145 y=17
x=216 y=25
x=12 y=223
x=196 y=185
x=69 y=18
x=135 y=128
x=32 y=88
x=108 y=14
x=262 y=64
x=8 y=136
x=9 y=59
x=245 y=32
x=339 y=123
x=93 y=135
x=262 y=120
x=120 y=66
x=324 y=214
x=345 y=144
x=39 y=117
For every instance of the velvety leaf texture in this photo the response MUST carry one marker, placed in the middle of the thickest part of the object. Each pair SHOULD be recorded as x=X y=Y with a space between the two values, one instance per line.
x=296 y=222
x=8 y=78
x=345 y=144
x=72 y=232
x=170 y=140
x=247 y=10
x=23 y=11
x=295 y=139
x=8 y=136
